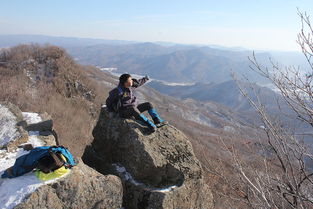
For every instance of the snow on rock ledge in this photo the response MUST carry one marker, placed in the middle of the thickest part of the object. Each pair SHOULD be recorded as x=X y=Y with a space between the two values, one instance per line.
x=81 y=188
x=13 y=191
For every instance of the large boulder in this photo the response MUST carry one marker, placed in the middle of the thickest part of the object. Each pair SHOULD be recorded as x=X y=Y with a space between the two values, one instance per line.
x=83 y=187
x=11 y=134
x=18 y=128
x=159 y=170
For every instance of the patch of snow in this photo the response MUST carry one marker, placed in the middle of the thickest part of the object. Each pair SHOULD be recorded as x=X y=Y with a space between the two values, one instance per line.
x=8 y=158
x=13 y=191
x=128 y=177
x=108 y=84
x=30 y=76
x=175 y=84
x=168 y=189
x=197 y=117
x=109 y=69
x=8 y=131
x=31 y=117
x=270 y=86
x=35 y=141
x=229 y=129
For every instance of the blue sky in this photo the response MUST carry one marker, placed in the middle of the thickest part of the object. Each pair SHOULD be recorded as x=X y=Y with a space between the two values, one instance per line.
x=263 y=24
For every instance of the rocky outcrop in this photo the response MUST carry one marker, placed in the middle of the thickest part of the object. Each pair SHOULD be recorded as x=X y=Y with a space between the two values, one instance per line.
x=9 y=116
x=43 y=128
x=82 y=188
x=159 y=170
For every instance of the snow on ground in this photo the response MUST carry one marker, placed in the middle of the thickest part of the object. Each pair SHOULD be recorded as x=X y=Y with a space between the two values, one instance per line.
x=30 y=117
x=13 y=191
x=8 y=130
x=197 y=117
x=108 y=84
x=128 y=177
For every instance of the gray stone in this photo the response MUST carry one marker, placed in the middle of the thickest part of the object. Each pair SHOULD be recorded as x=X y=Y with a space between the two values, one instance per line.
x=155 y=161
x=82 y=188
x=41 y=126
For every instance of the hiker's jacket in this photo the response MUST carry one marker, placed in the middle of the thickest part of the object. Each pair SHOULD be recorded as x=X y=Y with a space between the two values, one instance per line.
x=126 y=95
x=26 y=163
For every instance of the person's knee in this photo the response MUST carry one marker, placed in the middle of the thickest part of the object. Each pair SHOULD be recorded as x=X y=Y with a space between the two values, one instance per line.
x=150 y=105
x=129 y=112
x=136 y=113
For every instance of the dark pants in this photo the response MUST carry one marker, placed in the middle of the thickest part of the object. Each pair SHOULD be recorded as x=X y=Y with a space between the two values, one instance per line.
x=135 y=111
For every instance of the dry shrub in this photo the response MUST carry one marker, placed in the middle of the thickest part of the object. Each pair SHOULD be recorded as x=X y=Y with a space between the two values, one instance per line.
x=46 y=79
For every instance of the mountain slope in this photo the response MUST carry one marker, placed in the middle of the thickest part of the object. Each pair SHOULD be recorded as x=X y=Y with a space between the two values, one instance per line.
x=46 y=79
x=225 y=93
x=173 y=63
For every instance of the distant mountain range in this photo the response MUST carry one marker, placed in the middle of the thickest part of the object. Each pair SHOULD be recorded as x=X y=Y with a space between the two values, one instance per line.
x=163 y=61
x=13 y=40
x=225 y=93
x=178 y=63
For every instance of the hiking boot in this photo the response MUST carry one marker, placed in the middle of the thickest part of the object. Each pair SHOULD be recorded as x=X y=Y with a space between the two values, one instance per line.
x=147 y=123
x=152 y=128
x=159 y=123
x=156 y=118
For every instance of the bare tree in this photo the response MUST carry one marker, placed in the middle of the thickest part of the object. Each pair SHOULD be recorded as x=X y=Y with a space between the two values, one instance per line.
x=285 y=181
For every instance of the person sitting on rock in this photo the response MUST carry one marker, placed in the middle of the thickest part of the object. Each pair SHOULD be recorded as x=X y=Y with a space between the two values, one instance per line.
x=123 y=101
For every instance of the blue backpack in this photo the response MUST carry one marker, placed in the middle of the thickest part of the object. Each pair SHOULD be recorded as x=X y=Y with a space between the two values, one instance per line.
x=30 y=161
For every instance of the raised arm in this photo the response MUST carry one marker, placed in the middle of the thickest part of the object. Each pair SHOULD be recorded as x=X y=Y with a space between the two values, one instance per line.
x=139 y=82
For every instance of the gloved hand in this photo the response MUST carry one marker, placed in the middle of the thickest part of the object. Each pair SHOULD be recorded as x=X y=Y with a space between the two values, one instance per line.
x=147 y=77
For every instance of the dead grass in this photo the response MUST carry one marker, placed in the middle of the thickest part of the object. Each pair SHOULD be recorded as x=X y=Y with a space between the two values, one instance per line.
x=46 y=79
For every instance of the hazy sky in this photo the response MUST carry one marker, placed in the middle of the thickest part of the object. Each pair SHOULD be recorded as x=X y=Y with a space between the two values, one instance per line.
x=263 y=24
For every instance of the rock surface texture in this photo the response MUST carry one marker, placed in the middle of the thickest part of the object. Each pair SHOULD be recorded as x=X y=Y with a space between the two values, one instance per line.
x=83 y=187
x=158 y=170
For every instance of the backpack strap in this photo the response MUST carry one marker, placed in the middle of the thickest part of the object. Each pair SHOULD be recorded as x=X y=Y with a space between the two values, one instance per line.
x=120 y=91
x=120 y=94
x=50 y=162
x=57 y=158
x=69 y=163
